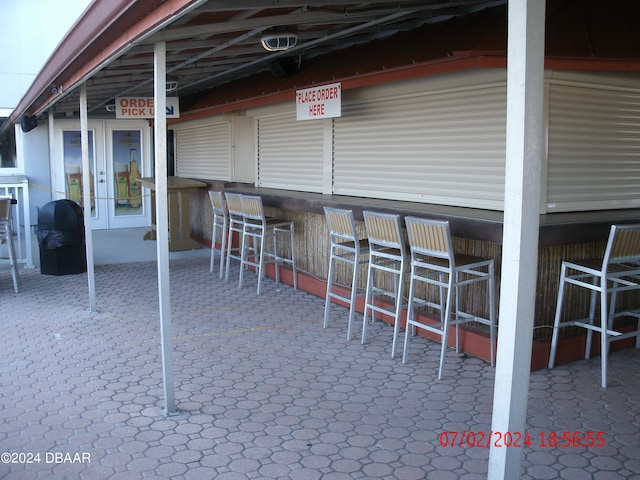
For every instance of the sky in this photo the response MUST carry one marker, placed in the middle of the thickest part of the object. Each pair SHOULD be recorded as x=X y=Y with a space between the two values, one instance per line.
x=30 y=31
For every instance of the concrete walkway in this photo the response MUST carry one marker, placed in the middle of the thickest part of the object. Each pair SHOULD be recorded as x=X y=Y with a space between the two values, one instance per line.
x=264 y=392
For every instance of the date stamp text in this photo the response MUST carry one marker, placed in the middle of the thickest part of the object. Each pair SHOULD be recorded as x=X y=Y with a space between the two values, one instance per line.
x=565 y=439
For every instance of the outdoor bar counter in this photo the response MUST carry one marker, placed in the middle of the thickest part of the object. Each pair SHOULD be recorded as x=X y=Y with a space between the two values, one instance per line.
x=556 y=229
x=562 y=236
x=179 y=204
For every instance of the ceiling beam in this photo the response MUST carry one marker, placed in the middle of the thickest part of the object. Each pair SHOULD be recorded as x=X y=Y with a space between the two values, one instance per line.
x=311 y=17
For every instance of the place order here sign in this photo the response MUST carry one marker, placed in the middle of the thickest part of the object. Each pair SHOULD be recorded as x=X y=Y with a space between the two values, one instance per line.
x=323 y=101
x=142 y=107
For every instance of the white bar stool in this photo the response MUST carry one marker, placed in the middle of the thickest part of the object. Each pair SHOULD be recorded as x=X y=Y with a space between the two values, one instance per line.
x=6 y=236
x=387 y=255
x=433 y=262
x=236 y=224
x=220 y=222
x=348 y=249
x=256 y=228
x=617 y=271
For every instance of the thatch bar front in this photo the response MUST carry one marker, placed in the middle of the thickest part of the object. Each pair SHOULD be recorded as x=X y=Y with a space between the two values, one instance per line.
x=477 y=232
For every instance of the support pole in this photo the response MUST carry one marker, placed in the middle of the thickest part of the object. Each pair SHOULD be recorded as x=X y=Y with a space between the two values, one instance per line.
x=162 y=222
x=524 y=151
x=86 y=196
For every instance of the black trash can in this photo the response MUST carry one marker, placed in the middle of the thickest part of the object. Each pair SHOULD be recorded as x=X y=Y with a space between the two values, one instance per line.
x=61 y=238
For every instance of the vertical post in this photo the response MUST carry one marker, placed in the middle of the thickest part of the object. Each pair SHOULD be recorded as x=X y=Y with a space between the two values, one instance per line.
x=52 y=150
x=162 y=222
x=524 y=151
x=86 y=196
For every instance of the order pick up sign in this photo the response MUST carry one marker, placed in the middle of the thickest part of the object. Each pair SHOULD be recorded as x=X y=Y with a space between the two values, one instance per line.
x=142 y=107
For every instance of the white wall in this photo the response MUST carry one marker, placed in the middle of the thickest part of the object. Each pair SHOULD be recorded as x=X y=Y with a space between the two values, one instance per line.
x=29 y=32
x=34 y=147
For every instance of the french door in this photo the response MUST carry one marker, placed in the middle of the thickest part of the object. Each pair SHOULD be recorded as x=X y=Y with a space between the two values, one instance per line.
x=119 y=155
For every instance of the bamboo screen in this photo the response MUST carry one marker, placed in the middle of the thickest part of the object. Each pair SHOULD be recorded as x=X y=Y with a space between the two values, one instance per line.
x=312 y=250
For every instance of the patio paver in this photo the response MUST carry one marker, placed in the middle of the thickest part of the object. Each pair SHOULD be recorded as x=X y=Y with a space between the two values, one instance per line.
x=264 y=392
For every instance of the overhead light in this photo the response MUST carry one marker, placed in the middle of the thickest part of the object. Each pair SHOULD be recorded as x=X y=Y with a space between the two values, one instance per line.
x=171 y=86
x=110 y=107
x=277 y=42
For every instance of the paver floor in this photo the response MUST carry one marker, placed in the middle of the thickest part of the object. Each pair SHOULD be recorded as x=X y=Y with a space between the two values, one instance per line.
x=264 y=392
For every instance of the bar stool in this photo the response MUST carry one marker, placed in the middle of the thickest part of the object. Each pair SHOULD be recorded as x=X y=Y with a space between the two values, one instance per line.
x=220 y=222
x=346 y=248
x=6 y=236
x=433 y=262
x=618 y=271
x=256 y=228
x=387 y=255
x=236 y=224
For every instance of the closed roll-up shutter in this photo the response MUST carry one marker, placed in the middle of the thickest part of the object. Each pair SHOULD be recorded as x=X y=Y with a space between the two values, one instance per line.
x=203 y=151
x=290 y=153
x=594 y=148
x=442 y=148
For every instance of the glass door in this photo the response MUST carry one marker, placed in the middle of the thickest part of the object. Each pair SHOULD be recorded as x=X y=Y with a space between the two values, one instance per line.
x=127 y=192
x=118 y=157
x=73 y=176
x=127 y=162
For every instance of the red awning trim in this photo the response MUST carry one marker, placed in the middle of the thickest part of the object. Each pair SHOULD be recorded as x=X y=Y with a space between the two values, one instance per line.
x=92 y=43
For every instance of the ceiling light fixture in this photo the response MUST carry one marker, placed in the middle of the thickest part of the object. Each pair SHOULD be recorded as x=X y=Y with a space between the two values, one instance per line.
x=278 y=42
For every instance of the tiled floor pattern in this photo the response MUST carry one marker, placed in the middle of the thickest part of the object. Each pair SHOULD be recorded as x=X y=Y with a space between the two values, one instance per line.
x=264 y=392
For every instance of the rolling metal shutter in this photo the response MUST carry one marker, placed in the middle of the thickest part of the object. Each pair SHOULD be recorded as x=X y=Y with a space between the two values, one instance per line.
x=203 y=151
x=444 y=147
x=290 y=153
x=594 y=148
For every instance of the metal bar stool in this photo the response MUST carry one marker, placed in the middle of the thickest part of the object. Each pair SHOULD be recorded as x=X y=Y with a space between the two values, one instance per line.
x=618 y=271
x=433 y=262
x=346 y=248
x=6 y=236
x=220 y=222
x=387 y=255
x=236 y=224
x=256 y=228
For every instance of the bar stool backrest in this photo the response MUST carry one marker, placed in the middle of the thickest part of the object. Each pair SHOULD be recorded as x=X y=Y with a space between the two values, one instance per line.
x=217 y=202
x=5 y=219
x=234 y=204
x=252 y=207
x=623 y=245
x=341 y=224
x=430 y=237
x=5 y=207
x=383 y=230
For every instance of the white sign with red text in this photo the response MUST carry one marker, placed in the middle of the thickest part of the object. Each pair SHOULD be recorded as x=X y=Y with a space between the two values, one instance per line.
x=324 y=101
x=142 y=107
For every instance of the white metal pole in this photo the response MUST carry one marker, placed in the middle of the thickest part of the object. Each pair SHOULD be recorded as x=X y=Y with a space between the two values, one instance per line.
x=52 y=154
x=86 y=196
x=162 y=222
x=524 y=151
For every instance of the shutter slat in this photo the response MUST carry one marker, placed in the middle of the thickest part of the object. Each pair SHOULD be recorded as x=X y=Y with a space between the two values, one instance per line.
x=594 y=148
x=203 y=151
x=290 y=153
x=443 y=148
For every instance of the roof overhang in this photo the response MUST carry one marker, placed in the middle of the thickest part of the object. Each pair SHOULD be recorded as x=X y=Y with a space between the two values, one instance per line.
x=214 y=46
